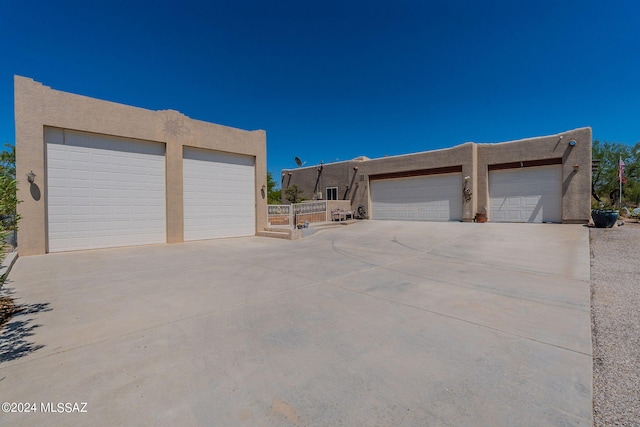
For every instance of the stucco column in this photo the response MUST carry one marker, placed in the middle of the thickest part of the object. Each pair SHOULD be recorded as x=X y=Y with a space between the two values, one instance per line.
x=174 y=195
x=260 y=138
x=30 y=157
x=470 y=184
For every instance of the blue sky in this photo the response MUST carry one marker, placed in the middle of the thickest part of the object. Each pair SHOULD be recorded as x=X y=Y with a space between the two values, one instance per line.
x=335 y=79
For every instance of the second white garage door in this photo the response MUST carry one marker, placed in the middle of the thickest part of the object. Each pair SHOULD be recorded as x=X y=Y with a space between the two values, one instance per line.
x=422 y=198
x=526 y=195
x=219 y=194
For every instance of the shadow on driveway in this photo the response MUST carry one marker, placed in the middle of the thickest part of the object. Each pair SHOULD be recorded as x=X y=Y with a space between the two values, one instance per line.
x=14 y=336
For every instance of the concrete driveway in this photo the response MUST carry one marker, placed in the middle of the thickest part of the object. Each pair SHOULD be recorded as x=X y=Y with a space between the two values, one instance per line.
x=371 y=324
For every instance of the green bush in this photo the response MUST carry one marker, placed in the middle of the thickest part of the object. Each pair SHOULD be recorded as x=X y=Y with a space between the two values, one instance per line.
x=8 y=187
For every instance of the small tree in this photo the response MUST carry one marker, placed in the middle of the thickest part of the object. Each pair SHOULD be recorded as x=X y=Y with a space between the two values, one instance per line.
x=293 y=195
x=632 y=173
x=274 y=195
x=605 y=187
x=8 y=196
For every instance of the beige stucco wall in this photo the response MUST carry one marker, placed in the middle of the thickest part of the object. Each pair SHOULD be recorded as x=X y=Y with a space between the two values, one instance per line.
x=38 y=106
x=353 y=184
x=576 y=186
x=459 y=156
x=474 y=160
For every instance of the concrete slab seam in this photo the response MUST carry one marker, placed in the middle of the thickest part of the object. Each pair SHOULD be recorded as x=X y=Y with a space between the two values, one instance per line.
x=389 y=267
x=458 y=319
x=160 y=325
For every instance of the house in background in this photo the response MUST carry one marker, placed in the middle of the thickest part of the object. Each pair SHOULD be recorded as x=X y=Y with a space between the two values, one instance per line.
x=95 y=174
x=543 y=179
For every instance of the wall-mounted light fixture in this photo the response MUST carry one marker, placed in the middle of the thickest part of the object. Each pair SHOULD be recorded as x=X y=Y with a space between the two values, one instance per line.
x=31 y=177
x=355 y=168
x=264 y=187
x=576 y=167
x=572 y=143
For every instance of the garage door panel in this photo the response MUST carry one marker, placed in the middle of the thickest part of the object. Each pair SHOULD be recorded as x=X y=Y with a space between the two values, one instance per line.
x=103 y=144
x=81 y=192
x=426 y=198
x=94 y=180
x=526 y=195
x=219 y=193
x=102 y=226
x=59 y=228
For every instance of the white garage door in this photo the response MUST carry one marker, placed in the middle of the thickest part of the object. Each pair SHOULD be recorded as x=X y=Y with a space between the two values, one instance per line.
x=424 y=198
x=219 y=195
x=526 y=195
x=103 y=191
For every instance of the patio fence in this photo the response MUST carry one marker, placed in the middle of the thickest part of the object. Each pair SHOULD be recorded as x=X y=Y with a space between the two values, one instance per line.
x=279 y=215
x=297 y=213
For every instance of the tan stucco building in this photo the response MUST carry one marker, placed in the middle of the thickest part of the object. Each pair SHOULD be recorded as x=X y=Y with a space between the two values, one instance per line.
x=106 y=174
x=543 y=179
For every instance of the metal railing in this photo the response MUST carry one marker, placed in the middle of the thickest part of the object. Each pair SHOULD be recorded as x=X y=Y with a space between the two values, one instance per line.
x=310 y=212
x=297 y=214
x=278 y=215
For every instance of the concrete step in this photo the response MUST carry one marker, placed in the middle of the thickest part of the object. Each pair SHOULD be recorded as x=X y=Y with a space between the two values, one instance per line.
x=281 y=233
x=275 y=234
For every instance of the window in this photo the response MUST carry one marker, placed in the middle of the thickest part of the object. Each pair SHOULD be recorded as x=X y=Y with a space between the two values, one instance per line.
x=332 y=193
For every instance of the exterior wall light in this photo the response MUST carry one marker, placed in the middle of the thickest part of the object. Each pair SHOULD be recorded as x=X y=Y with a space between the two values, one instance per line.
x=576 y=167
x=572 y=143
x=31 y=177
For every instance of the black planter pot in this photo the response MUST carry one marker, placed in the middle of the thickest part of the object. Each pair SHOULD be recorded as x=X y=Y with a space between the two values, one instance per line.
x=604 y=218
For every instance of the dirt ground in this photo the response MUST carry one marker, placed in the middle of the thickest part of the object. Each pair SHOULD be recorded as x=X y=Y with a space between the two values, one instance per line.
x=7 y=309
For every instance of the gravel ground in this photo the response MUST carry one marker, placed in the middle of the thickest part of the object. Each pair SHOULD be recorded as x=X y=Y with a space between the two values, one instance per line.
x=615 y=322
